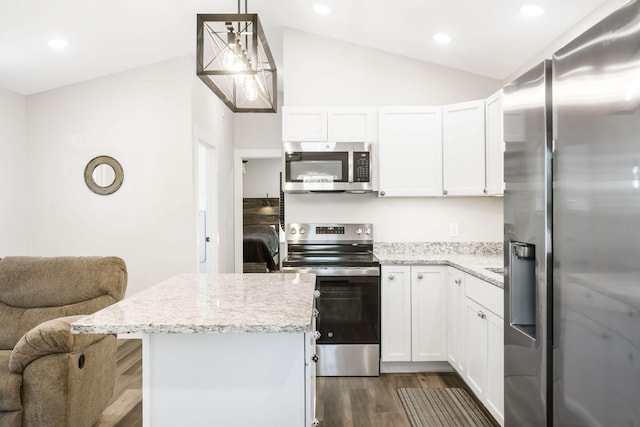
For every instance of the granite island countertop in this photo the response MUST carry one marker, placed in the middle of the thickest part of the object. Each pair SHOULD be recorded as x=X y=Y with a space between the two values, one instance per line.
x=476 y=263
x=203 y=303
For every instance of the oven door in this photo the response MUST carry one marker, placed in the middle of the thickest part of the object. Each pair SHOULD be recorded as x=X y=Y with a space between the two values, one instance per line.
x=349 y=310
x=349 y=325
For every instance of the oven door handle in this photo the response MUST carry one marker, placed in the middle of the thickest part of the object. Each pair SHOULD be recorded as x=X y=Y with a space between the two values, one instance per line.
x=336 y=271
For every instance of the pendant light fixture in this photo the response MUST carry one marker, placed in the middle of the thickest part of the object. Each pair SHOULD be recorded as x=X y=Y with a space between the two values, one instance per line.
x=234 y=60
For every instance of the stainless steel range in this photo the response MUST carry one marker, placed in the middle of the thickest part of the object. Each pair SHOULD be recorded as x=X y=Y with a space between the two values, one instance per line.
x=348 y=281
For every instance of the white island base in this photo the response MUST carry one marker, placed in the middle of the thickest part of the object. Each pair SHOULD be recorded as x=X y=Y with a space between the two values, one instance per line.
x=226 y=350
x=227 y=380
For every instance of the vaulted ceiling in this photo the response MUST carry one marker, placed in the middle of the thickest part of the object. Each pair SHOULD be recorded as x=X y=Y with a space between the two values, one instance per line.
x=490 y=37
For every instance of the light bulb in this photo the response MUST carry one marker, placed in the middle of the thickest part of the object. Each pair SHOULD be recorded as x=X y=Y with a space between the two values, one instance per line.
x=240 y=78
x=251 y=89
x=229 y=59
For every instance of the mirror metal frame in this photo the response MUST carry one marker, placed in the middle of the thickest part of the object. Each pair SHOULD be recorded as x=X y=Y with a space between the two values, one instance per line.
x=93 y=185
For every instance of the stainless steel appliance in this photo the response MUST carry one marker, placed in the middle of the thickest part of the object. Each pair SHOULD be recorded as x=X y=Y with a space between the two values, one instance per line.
x=327 y=166
x=348 y=302
x=572 y=337
x=527 y=246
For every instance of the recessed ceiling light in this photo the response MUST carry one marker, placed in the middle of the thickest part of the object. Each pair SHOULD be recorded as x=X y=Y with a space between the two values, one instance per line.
x=58 y=43
x=442 y=38
x=321 y=8
x=531 y=10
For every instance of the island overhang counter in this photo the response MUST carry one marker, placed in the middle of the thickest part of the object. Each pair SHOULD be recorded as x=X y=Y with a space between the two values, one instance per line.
x=227 y=349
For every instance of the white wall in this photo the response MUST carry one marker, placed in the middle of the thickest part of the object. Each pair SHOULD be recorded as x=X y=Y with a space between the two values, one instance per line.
x=143 y=119
x=324 y=71
x=262 y=177
x=262 y=131
x=213 y=122
x=321 y=71
x=13 y=174
x=404 y=219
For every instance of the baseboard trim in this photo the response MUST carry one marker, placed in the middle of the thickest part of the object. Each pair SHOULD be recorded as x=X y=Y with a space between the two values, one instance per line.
x=402 y=367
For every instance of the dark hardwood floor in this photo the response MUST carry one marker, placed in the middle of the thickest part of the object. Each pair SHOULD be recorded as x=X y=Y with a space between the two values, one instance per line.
x=341 y=401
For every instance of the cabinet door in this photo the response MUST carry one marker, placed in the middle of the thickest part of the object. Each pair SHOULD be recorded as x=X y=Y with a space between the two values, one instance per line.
x=494 y=145
x=310 y=376
x=495 y=366
x=346 y=124
x=462 y=322
x=476 y=348
x=396 y=313
x=428 y=314
x=410 y=151
x=463 y=149
x=454 y=344
x=304 y=124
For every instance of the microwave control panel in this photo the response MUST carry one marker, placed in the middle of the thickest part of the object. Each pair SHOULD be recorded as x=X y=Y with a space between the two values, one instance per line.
x=361 y=166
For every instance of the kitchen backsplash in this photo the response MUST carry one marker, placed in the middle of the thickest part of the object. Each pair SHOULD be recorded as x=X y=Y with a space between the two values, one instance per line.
x=476 y=248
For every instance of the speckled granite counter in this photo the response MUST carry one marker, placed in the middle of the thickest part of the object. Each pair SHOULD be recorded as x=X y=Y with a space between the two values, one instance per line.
x=473 y=258
x=200 y=303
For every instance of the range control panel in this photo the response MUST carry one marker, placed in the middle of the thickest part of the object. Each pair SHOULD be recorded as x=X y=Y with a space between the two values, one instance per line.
x=304 y=233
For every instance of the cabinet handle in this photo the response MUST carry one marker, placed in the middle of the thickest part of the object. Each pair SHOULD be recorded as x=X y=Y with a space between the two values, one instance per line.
x=481 y=315
x=445 y=192
x=382 y=193
x=315 y=358
x=391 y=277
x=419 y=275
x=457 y=281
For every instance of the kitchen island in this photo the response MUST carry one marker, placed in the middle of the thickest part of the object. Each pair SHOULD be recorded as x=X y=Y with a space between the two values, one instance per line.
x=228 y=349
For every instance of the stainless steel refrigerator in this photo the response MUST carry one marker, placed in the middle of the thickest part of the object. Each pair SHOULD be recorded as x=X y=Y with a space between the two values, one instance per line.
x=572 y=233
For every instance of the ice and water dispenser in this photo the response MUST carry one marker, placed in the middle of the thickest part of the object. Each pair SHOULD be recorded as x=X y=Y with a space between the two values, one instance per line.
x=522 y=285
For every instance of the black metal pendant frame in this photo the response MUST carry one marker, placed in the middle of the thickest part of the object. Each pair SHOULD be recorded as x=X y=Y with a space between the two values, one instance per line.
x=217 y=29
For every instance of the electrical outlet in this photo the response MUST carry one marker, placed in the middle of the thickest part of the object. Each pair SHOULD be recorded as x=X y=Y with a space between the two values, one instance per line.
x=453 y=229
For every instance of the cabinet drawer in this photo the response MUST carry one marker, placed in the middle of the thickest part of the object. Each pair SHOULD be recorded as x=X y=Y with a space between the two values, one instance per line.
x=485 y=294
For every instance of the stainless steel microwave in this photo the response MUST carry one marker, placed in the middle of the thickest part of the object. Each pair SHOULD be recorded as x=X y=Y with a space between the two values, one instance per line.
x=326 y=166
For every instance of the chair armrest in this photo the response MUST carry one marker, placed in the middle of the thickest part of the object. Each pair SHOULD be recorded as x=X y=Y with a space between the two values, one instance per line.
x=51 y=337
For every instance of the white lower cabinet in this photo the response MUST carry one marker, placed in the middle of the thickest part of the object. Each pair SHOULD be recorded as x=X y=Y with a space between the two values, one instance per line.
x=413 y=314
x=395 y=312
x=455 y=316
x=476 y=325
x=495 y=366
x=437 y=313
x=485 y=344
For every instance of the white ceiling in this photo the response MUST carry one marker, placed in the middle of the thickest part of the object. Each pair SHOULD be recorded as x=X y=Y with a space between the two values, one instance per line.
x=490 y=37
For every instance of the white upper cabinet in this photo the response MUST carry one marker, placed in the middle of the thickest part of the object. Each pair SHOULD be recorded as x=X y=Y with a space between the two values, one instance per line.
x=304 y=124
x=494 y=143
x=335 y=124
x=350 y=124
x=410 y=151
x=463 y=148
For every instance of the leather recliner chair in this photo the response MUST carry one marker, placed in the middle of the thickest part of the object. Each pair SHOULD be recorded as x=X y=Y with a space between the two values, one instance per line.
x=48 y=376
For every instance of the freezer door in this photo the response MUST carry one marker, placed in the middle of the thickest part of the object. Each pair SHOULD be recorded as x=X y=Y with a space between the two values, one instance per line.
x=596 y=90
x=527 y=234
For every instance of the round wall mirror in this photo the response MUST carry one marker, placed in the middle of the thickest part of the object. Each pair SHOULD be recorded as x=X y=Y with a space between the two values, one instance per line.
x=103 y=175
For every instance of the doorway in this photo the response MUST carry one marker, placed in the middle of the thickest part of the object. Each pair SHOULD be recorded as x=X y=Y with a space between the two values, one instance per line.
x=239 y=192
